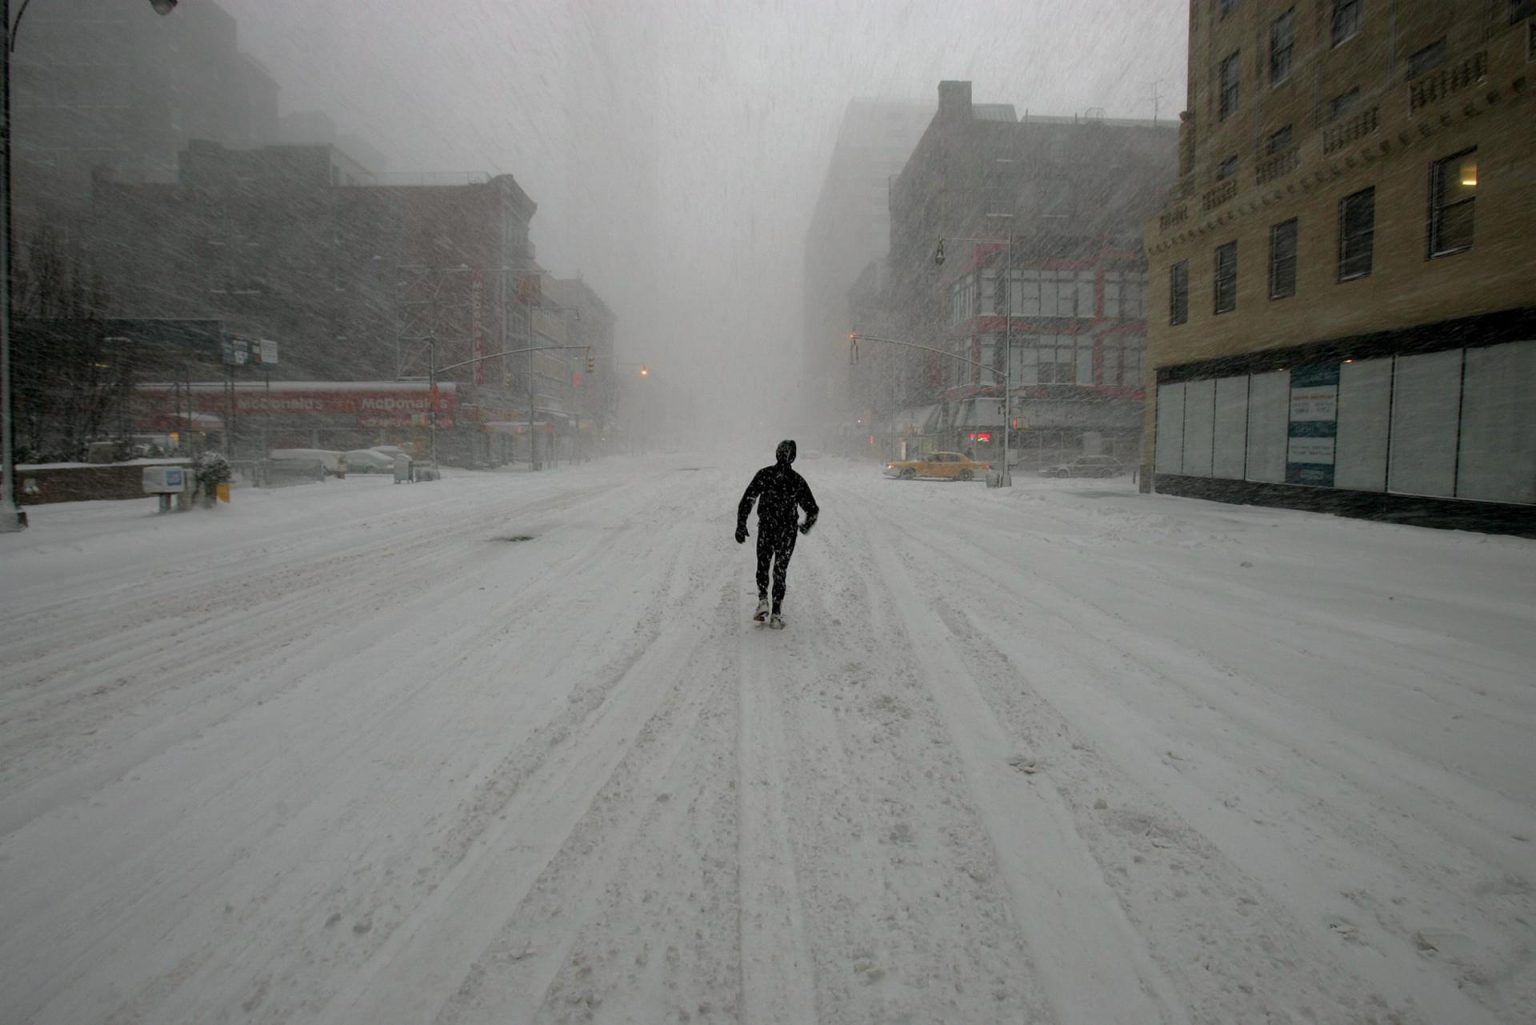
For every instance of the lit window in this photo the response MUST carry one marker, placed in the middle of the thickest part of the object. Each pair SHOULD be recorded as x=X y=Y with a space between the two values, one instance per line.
x=1452 y=201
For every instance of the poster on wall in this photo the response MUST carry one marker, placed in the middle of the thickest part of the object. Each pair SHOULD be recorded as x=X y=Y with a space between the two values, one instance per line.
x=1314 y=425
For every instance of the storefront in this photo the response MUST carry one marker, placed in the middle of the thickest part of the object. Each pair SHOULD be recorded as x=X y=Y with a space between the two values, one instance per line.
x=1434 y=426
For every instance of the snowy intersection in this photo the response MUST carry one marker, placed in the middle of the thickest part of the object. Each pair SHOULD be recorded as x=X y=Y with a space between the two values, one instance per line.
x=506 y=748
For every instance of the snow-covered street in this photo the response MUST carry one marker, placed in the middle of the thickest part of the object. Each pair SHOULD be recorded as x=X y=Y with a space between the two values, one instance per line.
x=507 y=748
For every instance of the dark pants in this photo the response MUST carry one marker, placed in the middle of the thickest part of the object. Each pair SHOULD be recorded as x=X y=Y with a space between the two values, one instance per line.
x=775 y=549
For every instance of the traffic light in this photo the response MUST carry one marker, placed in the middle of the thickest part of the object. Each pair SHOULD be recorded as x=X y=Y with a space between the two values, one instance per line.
x=591 y=363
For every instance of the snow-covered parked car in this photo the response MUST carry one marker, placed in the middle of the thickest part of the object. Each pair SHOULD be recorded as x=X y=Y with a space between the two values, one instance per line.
x=1086 y=466
x=335 y=462
x=368 y=460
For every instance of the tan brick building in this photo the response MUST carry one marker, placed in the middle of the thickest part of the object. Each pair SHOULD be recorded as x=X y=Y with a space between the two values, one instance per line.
x=1342 y=289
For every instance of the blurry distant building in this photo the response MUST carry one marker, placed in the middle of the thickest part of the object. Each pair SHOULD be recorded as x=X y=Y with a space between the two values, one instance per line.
x=1069 y=293
x=611 y=96
x=315 y=128
x=103 y=84
x=594 y=373
x=1343 y=305
x=355 y=281
x=851 y=227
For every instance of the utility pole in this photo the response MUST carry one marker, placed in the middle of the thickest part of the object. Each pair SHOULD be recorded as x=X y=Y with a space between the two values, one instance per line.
x=432 y=398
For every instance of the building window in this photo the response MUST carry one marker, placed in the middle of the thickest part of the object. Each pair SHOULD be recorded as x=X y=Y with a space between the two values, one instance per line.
x=1122 y=360
x=1427 y=59
x=1278 y=142
x=1452 y=200
x=1226 y=278
x=1357 y=233
x=1346 y=19
x=1228 y=6
x=1227 y=168
x=1178 y=292
x=1231 y=73
x=1521 y=9
x=1282 y=259
x=1282 y=47
x=1125 y=295
x=1343 y=103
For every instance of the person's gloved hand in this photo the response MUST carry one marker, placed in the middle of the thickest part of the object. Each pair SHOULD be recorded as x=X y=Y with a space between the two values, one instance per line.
x=805 y=528
x=741 y=534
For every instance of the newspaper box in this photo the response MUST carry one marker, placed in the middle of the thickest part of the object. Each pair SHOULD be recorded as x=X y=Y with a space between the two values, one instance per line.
x=402 y=468
x=167 y=481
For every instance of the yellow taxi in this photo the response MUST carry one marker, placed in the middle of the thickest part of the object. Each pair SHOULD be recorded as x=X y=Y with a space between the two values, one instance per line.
x=949 y=465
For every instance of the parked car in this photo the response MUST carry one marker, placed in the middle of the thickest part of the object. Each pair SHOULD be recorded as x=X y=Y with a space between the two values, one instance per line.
x=949 y=465
x=335 y=463
x=1086 y=466
x=369 y=460
x=391 y=451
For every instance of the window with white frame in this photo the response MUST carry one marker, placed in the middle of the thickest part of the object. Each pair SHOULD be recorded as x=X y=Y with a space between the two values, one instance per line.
x=1026 y=293
x=1058 y=296
x=1125 y=294
x=1055 y=359
x=1122 y=364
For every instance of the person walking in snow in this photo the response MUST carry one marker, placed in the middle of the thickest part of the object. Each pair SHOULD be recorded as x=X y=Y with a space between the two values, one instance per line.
x=780 y=493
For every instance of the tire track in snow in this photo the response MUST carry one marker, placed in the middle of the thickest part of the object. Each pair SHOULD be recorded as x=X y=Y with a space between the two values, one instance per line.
x=311 y=779
x=904 y=911
x=1094 y=966
x=541 y=806
x=778 y=978
x=279 y=620
x=602 y=932
x=1228 y=845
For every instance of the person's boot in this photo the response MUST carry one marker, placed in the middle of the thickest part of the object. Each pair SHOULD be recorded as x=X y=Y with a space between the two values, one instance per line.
x=775 y=621
x=762 y=611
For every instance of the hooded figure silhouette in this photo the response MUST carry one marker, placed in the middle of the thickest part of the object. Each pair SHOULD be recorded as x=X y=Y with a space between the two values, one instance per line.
x=780 y=494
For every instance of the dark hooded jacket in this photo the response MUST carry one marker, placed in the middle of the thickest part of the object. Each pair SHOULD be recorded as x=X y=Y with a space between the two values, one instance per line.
x=779 y=492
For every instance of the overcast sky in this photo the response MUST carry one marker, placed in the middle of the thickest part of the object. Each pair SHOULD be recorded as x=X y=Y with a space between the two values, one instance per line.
x=726 y=109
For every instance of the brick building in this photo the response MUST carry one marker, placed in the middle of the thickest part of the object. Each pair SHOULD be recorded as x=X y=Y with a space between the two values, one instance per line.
x=356 y=281
x=1068 y=292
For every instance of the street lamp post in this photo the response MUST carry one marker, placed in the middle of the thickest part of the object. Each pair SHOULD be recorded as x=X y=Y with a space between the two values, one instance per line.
x=1006 y=480
x=12 y=518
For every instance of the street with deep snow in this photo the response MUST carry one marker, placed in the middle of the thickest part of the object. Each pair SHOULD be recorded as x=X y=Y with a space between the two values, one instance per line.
x=506 y=747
